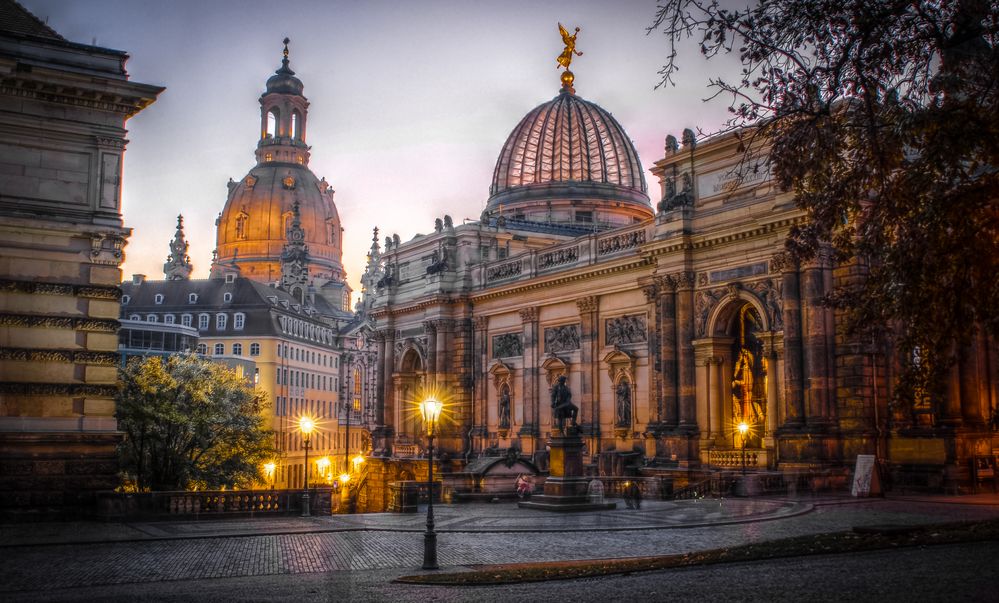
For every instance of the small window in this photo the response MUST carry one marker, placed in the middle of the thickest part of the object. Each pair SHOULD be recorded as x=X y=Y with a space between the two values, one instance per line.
x=203 y=321
x=125 y=299
x=220 y=320
x=227 y=297
x=158 y=298
x=169 y=319
x=237 y=349
x=230 y=278
x=254 y=349
x=584 y=216
x=192 y=298
x=135 y=317
x=238 y=320
x=219 y=349
x=269 y=157
x=202 y=348
x=185 y=320
x=152 y=318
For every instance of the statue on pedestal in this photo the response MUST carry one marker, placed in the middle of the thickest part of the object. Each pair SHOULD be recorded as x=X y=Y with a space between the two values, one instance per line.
x=562 y=406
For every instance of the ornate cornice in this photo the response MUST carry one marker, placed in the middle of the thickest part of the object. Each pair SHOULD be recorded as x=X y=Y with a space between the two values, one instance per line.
x=59 y=389
x=63 y=94
x=538 y=283
x=64 y=356
x=77 y=323
x=35 y=288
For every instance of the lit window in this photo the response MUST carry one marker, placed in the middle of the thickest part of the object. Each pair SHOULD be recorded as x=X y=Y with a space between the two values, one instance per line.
x=220 y=320
x=169 y=319
x=152 y=318
x=158 y=298
x=237 y=349
x=254 y=349
x=238 y=320
x=219 y=349
x=185 y=320
x=268 y=157
x=230 y=278
x=203 y=322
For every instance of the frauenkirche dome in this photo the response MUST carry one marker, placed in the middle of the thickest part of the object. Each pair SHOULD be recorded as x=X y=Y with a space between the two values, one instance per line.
x=253 y=227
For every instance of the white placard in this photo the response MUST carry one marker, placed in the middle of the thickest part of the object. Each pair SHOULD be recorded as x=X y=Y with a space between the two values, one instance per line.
x=863 y=475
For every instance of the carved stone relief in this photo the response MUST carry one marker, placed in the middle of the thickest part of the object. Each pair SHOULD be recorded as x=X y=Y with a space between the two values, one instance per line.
x=625 y=329
x=561 y=339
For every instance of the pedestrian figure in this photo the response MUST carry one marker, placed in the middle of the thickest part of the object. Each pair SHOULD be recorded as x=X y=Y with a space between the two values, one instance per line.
x=634 y=496
x=524 y=486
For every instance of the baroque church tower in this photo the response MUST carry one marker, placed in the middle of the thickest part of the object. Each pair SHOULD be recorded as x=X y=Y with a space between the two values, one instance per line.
x=257 y=221
x=178 y=266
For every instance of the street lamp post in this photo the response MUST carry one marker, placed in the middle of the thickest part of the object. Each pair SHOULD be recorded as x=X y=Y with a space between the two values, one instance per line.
x=305 y=425
x=270 y=469
x=743 y=430
x=431 y=411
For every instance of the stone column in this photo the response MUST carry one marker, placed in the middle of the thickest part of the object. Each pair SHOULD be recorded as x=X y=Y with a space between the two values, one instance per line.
x=530 y=429
x=654 y=398
x=793 y=367
x=430 y=330
x=443 y=342
x=971 y=404
x=667 y=351
x=480 y=355
x=685 y=350
x=589 y=340
x=386 y=406
x=814 y=344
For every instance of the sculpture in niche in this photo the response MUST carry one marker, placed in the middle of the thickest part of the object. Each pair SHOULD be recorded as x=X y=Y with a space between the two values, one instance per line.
x=623 y=397
x=749 y=397
x=504 y=408
x=241 y=231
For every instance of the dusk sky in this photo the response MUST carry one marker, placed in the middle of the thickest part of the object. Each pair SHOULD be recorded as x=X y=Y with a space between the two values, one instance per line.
x=410 y=101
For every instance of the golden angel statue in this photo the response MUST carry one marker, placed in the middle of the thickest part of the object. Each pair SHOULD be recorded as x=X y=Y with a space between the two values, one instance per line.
x=570 y=47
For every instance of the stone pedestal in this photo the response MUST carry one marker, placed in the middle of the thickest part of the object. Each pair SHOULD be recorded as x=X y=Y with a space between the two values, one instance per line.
x=566 y=488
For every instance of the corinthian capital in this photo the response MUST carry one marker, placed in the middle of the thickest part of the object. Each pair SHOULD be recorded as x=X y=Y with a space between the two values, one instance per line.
x=587 y=304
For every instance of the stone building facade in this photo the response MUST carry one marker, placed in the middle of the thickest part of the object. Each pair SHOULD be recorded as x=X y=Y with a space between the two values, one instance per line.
x=673 y=322
x=62 y=142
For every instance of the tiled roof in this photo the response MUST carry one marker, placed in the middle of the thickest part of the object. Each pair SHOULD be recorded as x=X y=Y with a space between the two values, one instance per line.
x=16 y=19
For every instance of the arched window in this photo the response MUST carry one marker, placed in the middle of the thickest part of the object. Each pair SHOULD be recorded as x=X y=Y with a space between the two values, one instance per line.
x=296 y=126
x=203 y=321
x=125 y=299
x=185 y=320
x=272 y=124
x=169 y=319
x=202 y=348
x=158 y=299
x=238 y=320
x=135 y=317
x=226 y=297
x=220 y=320
x=151 y=318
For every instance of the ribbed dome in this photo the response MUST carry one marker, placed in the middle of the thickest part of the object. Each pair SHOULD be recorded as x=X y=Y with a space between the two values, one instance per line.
x=568 y=148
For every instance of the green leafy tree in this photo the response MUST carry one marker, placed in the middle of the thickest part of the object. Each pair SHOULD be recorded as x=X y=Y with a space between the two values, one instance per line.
x=882 y=118
x=190 y=423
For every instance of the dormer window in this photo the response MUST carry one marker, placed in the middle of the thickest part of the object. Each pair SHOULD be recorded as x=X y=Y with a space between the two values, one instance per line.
x=230 y=278
x=125 y=299
x=169 y=319
x=135 y=317
x=192 y=298
x=158 y=298
x=152 y=318
x=220 y=320
x=203 y=322
x=227 y=297
x=238 y=320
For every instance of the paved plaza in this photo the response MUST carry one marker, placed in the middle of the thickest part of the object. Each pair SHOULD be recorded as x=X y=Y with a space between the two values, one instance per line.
x=55 y=561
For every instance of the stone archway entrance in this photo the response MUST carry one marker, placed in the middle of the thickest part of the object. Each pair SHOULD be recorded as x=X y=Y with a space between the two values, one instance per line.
x=737 y=372
x=408 y=383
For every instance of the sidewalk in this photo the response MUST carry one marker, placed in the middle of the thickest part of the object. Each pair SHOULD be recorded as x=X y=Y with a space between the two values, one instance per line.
x=462 y=518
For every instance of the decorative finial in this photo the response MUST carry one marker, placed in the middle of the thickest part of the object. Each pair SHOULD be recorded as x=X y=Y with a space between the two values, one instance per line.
x=286 y=40
x=375 y=237
x=565 y=59
x=284 y=60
